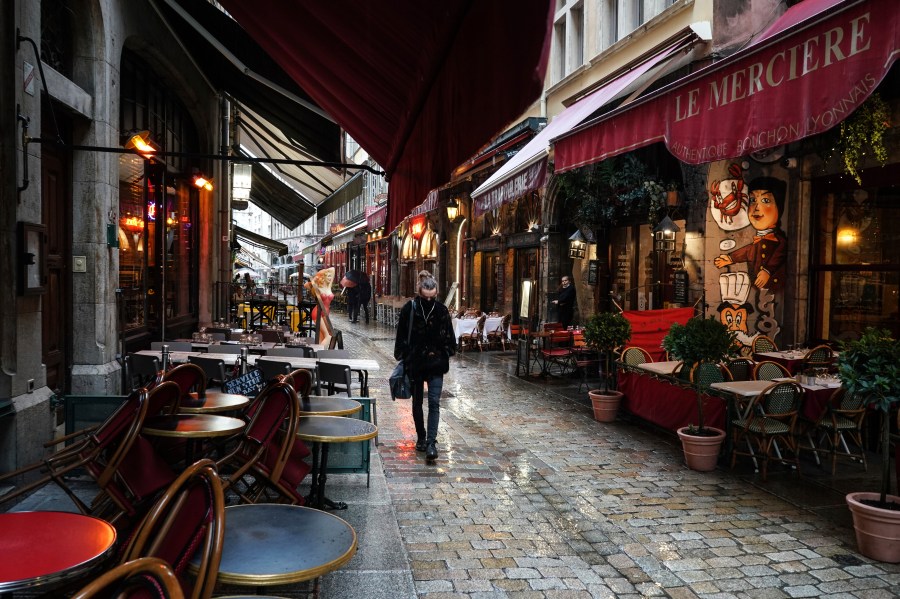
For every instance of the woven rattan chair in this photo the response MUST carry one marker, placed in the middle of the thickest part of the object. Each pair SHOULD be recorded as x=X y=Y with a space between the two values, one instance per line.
x=820 y=356
x=741 y=369
x=635 y=355
x=769 y=425
x=769 y=371
x=763 y=344
x=844 y=415
x=705 y=374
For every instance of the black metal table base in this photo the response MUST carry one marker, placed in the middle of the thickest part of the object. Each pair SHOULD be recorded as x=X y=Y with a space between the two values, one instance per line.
x=316 y=497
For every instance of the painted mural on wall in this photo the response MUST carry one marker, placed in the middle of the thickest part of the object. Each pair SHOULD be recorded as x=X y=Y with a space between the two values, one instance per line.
x=746 y=205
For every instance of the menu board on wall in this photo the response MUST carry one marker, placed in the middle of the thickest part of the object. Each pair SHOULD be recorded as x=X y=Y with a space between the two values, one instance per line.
x=500 y=275
x=680 y=282
x=623 y=269
x=593 y=268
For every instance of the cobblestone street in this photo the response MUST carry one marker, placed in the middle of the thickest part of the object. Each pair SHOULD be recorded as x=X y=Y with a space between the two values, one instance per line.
x=531 y=497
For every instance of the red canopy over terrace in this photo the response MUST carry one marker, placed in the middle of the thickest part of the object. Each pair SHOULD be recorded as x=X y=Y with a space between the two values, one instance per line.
x=802 y=76
x=420 y=85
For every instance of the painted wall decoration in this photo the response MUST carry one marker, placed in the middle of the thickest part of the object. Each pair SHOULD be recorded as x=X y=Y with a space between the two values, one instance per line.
x=746 y=205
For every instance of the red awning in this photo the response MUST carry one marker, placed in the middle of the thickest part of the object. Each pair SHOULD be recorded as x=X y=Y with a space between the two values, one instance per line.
x=421 y=86
x=805 y=74
x=526 y=171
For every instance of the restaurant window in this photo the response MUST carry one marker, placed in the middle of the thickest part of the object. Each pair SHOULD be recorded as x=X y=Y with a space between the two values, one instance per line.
x=158 y=263
x=856 y=261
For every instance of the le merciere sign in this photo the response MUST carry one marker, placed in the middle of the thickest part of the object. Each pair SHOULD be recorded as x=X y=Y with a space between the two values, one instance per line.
x=798 y=81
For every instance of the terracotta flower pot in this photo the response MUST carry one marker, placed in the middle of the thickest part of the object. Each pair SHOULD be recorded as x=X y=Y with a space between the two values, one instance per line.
x=701 y=453
x=877 y=529
x=605 y=403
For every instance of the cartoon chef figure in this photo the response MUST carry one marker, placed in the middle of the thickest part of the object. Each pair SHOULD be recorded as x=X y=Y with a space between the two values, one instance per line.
x=766 y=256
x=735 y=310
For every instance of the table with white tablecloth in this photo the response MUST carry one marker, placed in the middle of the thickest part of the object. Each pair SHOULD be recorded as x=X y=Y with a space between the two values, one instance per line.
x=464 y=326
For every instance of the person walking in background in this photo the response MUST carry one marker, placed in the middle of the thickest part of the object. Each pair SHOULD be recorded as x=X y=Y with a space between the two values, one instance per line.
x=425 y=350
x=359 y=291
x=565 y=302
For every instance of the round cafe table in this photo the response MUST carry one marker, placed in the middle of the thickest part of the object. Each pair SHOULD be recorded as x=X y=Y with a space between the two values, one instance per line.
x=328 y=405
x=46 y=548
x=272 y=544
x=192 y=427
x=213 y=402
x=322 y=431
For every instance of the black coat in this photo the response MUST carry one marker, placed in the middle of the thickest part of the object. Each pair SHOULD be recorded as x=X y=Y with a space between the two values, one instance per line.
x=432 y=341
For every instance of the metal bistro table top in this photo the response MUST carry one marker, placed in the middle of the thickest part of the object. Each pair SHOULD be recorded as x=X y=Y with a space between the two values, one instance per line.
x=192 y=425
x=328 y=405
x=213 y=402
x=269 y=544
x=335 y=429
x=45 y=548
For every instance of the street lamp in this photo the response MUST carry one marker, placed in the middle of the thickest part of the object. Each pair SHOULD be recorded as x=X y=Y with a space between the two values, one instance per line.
x=577 y=245
x=664 y=235
x=453 y=210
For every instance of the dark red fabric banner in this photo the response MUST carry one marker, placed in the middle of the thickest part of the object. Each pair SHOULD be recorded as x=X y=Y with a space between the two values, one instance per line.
x=801 y=77
x=420 y=85
x=666 y=404
x=648 y=327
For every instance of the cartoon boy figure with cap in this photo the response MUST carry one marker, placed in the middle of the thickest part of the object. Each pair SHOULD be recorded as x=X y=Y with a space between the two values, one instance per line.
x=766 y=256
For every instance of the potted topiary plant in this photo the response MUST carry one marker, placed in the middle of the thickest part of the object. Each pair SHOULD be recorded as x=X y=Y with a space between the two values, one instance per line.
x=603 y=333
x=701 y=340
x=870 y=368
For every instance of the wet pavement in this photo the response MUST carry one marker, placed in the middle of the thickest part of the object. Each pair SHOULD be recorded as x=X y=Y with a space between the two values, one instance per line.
x=530 y=497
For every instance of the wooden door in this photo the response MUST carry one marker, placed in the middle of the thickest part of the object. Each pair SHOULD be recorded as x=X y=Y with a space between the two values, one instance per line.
x=56 y=302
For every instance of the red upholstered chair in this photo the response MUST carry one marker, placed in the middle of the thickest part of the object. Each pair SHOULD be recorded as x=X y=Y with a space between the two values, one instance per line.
x=188 y=377
x=265 y=447
x=557 y=351
x=122 y=463
x=187 y=520
x=143 y=578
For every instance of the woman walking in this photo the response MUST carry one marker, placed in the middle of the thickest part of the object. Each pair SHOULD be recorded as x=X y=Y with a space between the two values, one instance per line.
x=425 y=350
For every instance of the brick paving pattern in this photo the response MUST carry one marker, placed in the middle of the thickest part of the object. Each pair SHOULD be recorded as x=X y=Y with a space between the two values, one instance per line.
x=531 y=498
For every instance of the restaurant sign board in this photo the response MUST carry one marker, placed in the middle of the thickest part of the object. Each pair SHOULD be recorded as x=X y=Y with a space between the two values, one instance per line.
x=799 y=82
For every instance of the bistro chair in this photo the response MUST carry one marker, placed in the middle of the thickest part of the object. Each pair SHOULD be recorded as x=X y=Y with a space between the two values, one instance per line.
x=186 y=523
x=558 y=351
x=763 y=344
x=634 y=355
x=140 y=370
x=122 y=463
x=820 y=356
x=271 y=368
x=497 y=337
x=336 y=341
x=741 y=369
x=769 y=420
x=474 y=338
x=228 y=348
x=264 y=448
x=173 y=345
x=769 y=371
x=272 y=335
x=517 y=330
x=292 y=352
x=213 y=368
x=343 y=353
x=142 y=578
x=226 y=331
x=705 y=374
x=844 y=415
x=335 y=378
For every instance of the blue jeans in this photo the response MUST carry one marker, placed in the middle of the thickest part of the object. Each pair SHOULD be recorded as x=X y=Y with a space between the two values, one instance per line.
x=435 y=384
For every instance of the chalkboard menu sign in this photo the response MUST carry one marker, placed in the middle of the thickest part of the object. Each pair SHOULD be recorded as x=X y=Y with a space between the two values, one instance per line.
x=680 y=282
x=593 y=268
x=247 y=384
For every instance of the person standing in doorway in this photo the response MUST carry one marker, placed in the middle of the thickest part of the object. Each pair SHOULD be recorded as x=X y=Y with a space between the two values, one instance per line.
x=425 y=350
x=565 y=301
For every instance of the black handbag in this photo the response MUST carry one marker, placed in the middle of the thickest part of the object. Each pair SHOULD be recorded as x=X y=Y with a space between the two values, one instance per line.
x=399 y=380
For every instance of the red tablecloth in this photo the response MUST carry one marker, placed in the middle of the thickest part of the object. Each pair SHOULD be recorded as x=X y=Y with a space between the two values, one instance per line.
x=666 y=404
x=814 y=403
x=792 y=364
